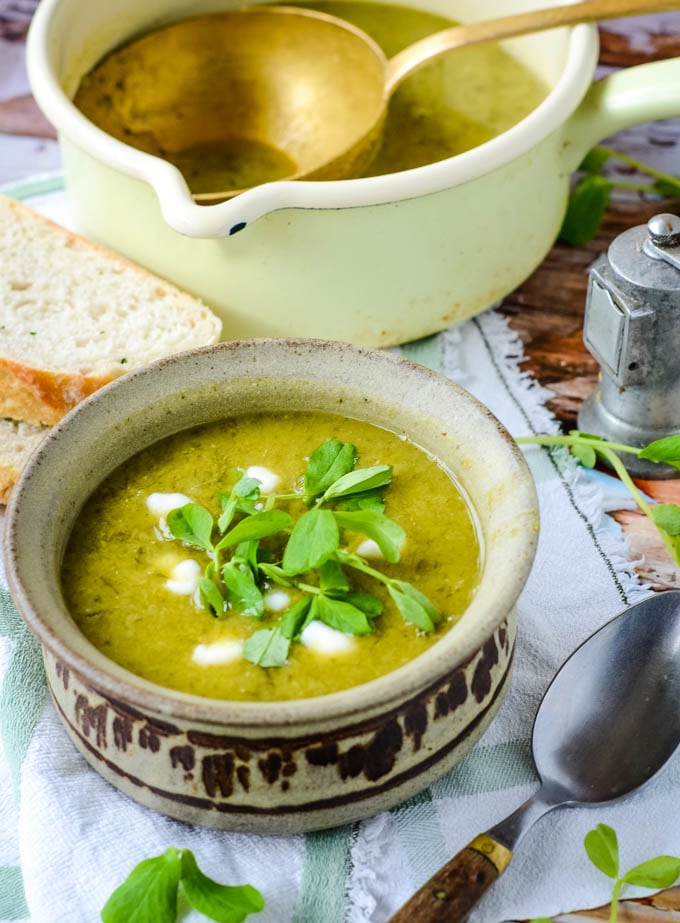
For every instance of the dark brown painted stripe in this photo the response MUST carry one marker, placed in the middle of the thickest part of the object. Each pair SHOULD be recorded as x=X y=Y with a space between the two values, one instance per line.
x=367 y=726
x=320 y=805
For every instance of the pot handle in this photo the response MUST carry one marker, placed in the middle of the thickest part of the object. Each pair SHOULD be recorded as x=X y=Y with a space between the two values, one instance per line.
x=628 y=97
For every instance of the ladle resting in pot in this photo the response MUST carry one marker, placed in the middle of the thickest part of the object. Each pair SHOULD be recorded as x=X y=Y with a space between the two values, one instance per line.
x=300 y=94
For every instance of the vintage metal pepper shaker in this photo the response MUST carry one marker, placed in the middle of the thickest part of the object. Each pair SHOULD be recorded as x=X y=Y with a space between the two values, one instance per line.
x=632 y=328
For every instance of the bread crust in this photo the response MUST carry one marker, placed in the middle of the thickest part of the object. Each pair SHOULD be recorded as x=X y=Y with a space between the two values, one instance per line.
x=42 y=397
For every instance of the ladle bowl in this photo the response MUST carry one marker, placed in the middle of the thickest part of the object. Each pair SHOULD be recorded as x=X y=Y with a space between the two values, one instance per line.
x=294 y=93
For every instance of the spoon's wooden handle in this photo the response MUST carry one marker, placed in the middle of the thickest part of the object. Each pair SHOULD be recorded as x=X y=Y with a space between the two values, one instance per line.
x=454 y=890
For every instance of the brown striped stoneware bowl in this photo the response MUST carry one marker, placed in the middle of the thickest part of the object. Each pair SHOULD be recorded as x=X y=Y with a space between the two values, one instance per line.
x=289 y=766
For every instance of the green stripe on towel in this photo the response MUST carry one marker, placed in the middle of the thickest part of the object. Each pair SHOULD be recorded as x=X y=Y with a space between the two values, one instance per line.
x=324 y=877
x=12 y=899
x=23 y=689
x=51 y=182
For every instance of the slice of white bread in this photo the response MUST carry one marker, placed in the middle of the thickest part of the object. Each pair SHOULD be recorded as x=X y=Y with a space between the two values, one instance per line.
x=74 y=316
x=17 y=441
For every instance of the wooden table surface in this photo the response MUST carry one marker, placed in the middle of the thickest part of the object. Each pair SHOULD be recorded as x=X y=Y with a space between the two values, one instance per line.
x=546 y=311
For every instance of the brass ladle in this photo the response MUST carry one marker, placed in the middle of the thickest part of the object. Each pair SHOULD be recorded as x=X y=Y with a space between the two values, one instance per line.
x=343 y=127
x=304 y=92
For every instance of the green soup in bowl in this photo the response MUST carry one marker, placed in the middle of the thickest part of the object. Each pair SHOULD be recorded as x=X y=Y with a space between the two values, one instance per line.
x=317 y=757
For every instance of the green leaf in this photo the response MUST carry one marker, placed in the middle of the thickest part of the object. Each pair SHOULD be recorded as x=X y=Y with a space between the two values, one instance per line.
x=211 y=597
x=267 y=647
x=192 y=524
x=669 y=187
x=665 y=450
x=413 y=605
x=666 y=516
x=385 y=532
x=223 y=903
x=313 y=540
x=359 y=481
x=149 y=893
x=247 y=489
x=367 y=500
x=275 y=574
x=257 y=526
x=602 y=847
x=246 y=553
x=342 y=616
x=332 y=577
x=327 y=463
x=295 y=618
x=595 y=160
x=243 y=593
x=367 y=602
x=586 y=454
x=661 y=872
x=227 y=514
x=585 y=210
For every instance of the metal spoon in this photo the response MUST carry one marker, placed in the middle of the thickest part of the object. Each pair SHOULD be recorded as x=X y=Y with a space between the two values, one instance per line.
x=608 y=722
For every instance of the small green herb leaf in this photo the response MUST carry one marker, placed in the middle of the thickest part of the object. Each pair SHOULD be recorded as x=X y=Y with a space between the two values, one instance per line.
x=244 y=594
x=343 y=616
x=660 y=872
x=275 y=573
x=332 y=577
x=602 y=847
x=586 y=455
x=257 y=526
x=665 y=450
x=587 y=205
x=367 y=500
x=313 y=540
x=247 y=489
x=367 y=602
x=223 y=903
x=385 y=532
x=295 y=618
x=148 y=893
x=211 y=597
x=330 y=461
x=246 y=553
x=668 y=187
x=595 y=159
x=666 y=516
x=192 y=524
x=267 y=647
x=413 y=605
x=359 y=481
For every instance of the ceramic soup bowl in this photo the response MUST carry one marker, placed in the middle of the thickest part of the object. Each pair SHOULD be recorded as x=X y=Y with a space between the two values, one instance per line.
x=276 y=766
x=376 y=260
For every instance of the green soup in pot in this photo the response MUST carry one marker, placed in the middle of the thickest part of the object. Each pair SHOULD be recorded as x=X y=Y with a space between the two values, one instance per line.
x=127 y=580
x=450 y=106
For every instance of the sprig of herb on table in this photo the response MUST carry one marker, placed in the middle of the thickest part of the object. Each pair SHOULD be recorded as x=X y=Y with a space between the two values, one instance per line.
x=340 y=498
x=587 y=448
x=602 y=848
x=150 y=893
x=592 y=194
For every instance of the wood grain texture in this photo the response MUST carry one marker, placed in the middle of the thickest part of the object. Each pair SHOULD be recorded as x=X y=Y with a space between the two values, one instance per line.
x=452 y=892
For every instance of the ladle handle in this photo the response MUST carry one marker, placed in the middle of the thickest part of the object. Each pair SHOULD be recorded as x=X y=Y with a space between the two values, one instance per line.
x=454 y=890
x=433 y=46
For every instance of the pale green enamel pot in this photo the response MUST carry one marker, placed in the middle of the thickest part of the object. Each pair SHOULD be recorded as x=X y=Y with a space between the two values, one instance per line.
x=276 y=767
x=377 y=260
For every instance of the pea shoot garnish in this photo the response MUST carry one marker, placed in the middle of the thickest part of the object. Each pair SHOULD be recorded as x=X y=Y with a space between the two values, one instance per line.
x=150 y=893
x=307 y=554
x=588 y=449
